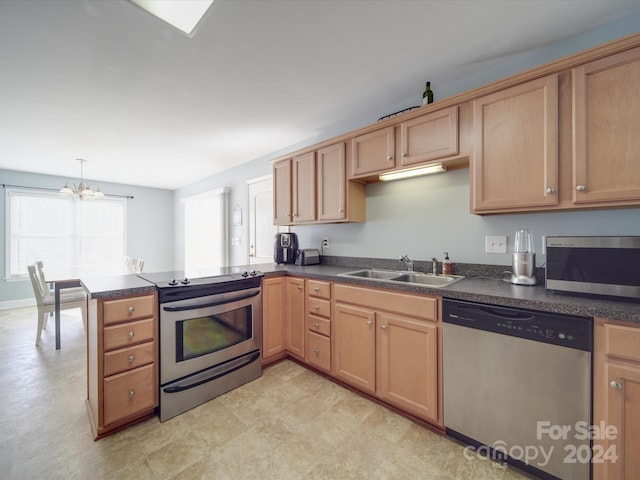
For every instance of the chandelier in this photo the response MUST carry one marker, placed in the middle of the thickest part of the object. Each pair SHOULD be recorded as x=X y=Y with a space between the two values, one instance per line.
x=82 y=190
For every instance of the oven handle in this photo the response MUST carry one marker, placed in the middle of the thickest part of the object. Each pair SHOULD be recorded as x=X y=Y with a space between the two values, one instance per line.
x=211 y=304
x=232 y=367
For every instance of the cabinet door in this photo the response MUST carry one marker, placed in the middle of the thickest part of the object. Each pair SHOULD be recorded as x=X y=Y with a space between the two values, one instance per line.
x=274 y=342
x=354 y=346
x=295 y=316
x=332 y=182
x=282 y=193
x=373 y=152
x=304 y=188
x=606 y=156
x=515 y=159
x=429 y=137
x=407 y=364
x=623 y=412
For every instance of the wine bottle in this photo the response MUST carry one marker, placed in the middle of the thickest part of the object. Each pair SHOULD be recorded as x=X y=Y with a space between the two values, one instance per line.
x=427 y=96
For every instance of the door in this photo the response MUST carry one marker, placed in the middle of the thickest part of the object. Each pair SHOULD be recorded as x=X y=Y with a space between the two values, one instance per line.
x=260 y=220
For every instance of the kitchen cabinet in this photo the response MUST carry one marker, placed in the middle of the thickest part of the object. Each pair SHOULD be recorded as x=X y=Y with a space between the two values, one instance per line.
x=387 y=344
x=429 y=137
x=295 y=315
x=303 y=178
x=318 y=301
x=282 y=206
x=616 y=400
x=274 y=340
x=515 y=160
x=372 y=152
x=122 y=339
x=606 y=143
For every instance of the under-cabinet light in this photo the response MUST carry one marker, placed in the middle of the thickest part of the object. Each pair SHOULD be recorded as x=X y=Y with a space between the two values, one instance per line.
x=413 y=172
x=183 y=14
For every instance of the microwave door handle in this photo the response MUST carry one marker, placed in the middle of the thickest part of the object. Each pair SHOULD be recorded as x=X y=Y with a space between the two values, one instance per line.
x=210 y=304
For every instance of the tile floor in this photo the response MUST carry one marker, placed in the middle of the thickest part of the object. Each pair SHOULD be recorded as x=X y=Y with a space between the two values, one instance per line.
x=289 y=424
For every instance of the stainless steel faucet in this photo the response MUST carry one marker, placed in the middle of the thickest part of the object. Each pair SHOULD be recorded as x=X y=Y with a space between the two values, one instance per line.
x=434 y=263
x=408 y=262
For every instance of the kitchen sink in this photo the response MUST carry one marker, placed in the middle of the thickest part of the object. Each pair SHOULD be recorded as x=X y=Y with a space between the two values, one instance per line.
x=413 y=278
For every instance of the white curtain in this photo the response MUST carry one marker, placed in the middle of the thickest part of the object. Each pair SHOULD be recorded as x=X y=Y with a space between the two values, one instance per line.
x=206 y=232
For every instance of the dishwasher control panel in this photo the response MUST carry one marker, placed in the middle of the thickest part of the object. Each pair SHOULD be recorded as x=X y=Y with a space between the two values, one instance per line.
x=556 y=329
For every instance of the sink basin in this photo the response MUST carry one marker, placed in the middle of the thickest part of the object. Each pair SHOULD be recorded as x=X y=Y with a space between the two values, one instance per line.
x=428 y=280
x=376 y=274
x=414 y=278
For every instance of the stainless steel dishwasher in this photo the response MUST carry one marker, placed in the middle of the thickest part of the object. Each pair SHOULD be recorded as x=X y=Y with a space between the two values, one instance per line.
x=517 y=387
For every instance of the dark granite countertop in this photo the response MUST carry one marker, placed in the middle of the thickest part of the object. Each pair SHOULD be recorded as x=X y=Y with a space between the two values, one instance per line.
x=477 y=289
x=116 y=286
x=480 y=289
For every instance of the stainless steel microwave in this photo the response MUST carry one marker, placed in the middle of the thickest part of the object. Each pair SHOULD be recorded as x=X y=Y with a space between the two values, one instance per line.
x=594 y=265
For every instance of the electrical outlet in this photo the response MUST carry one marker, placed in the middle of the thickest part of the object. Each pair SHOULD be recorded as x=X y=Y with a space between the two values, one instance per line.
x=495 y=244
x=325 y=243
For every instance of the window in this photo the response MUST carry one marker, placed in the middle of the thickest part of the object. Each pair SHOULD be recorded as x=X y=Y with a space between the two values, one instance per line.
x=205 y=226
x=65 y=233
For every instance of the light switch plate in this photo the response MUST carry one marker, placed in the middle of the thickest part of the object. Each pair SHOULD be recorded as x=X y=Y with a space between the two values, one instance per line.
x=495 y=244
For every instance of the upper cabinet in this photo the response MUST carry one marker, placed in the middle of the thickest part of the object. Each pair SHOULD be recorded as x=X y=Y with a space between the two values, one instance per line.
x=313 y=188
x=373 y=152
x=429 y=137
x=606 y=130
x=515 y=162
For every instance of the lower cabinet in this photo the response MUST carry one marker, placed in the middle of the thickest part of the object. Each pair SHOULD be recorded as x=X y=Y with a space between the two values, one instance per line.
x=122 y=361
x=616 y=394
x=295 y=315
x=274 y=338
x=386 y=344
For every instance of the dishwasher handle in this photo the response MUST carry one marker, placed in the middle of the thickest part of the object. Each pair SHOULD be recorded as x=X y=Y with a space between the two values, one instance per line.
x=507 y=314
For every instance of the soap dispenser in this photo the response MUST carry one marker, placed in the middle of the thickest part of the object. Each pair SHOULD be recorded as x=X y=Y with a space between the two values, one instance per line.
x=447 y=266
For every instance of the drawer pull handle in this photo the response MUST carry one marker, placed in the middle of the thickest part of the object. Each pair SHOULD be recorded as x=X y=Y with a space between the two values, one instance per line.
x=317 y=325
x=616 y=385
x=132 y=393
x=316 y=289
x=132 y=358
x=131 y=309
x=131 y=334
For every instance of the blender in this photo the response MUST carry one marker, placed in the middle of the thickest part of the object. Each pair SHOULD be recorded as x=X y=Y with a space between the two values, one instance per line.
x=524 y=259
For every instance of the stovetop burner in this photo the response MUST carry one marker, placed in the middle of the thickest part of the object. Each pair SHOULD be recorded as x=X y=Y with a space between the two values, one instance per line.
x=177 y=285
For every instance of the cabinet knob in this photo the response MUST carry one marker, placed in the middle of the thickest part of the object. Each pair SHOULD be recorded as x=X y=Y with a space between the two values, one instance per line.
x=317 y=325
x=551 y=190
x=405 y=154
x=131 y=334
x=316 y=289
x=383 y=327
x=316 y=351
x=299 y=288
x=389 y=158
x=132 y=358
x=369 y=322
x=316 y=307
x=132 y=393
x=581 y=188
x=616 y=385
x=131 y=309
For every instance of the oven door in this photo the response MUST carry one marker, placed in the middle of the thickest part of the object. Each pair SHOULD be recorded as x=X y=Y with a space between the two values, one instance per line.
x=199 y=333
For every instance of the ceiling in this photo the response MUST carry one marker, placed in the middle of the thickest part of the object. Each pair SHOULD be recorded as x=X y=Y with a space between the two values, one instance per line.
x=147 y=105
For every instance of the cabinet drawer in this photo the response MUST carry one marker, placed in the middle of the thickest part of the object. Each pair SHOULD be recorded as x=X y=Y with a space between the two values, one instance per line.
x=318 y=306
x=418 y=306
x=319 y=289
x=319 y=351
x=623 y=342
x=128 y=358
x=126 y=334
x=125 y=309
x=319 y=325
x=128 y=393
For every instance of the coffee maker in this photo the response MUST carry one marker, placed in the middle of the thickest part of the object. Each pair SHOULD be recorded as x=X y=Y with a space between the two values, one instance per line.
x=284 y=247
x=524 y=259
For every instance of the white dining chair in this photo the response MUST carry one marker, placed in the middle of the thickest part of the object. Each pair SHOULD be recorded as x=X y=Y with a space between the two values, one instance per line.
x=45 y=301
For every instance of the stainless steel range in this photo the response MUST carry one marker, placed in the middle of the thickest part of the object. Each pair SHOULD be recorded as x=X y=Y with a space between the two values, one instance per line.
x=210 y=336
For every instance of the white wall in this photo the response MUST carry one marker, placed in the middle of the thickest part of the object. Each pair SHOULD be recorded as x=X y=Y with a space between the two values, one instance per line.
x=149 y=226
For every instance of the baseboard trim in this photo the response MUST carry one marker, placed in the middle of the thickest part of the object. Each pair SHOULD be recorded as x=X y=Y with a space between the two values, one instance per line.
x=24 y=302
